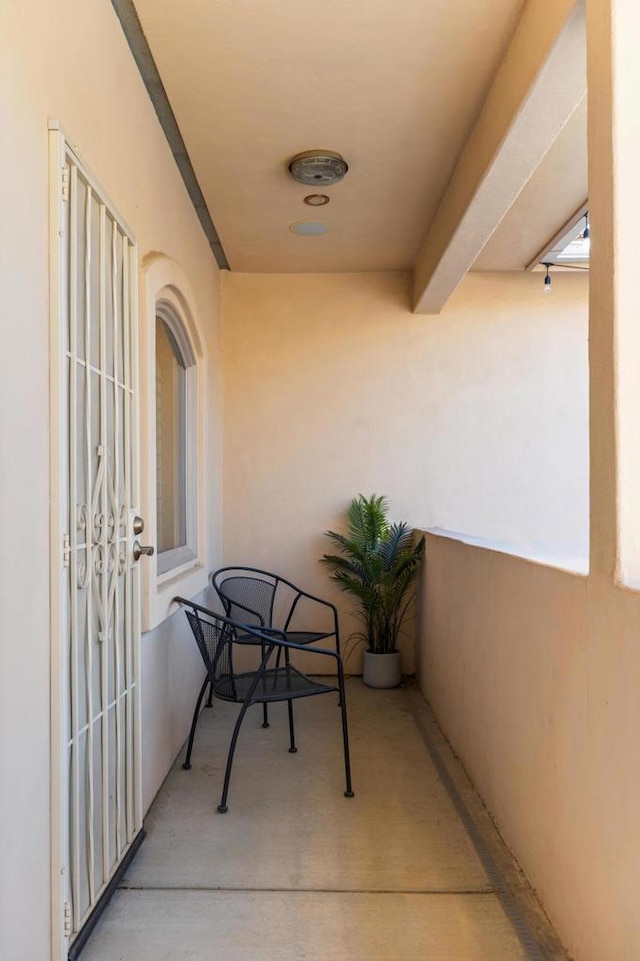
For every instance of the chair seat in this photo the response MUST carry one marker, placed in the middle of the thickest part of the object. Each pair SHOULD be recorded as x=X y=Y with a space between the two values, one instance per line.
x=306 y=637
x=296 y=637
x=276 y=684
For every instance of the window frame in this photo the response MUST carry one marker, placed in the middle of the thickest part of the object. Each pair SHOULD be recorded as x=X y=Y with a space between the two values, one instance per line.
x=170 y=562
x=164 y=283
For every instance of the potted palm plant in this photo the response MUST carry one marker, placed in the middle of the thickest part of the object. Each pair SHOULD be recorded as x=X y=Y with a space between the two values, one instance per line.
x=377 y=561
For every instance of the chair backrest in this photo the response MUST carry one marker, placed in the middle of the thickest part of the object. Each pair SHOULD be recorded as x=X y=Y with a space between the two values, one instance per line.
x=214 y=638
x=247 y=595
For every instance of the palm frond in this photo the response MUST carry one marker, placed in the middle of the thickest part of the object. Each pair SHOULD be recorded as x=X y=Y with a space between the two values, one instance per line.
x=396 y=546
x=377 y=563
x=367 y=520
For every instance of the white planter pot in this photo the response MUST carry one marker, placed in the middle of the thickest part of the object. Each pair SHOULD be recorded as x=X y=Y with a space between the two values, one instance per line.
x=381 y=670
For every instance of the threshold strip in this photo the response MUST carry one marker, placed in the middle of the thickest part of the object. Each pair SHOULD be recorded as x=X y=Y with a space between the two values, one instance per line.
x=529 y=940
x=132 y=29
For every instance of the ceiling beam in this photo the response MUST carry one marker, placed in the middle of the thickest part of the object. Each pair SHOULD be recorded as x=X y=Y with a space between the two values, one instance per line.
x=134 y=34
x=539 y=84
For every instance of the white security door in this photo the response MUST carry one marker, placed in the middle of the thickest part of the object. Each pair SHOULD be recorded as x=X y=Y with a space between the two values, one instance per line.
x=96 y=581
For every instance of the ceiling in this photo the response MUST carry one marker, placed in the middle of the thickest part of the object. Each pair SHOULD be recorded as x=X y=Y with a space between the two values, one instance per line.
x=396 y=90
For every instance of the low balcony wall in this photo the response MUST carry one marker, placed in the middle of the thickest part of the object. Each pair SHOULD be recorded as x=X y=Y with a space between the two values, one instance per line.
x=534 y=675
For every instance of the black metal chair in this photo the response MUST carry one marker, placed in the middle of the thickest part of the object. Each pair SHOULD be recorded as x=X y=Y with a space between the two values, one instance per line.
x=253 y=596
x=216 y=637
x=263 y=599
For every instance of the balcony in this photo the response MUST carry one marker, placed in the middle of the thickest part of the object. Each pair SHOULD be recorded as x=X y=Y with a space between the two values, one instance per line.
x=410 y=868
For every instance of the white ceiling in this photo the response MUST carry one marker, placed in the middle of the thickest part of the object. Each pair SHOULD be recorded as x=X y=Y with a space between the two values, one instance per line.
x=395 y=88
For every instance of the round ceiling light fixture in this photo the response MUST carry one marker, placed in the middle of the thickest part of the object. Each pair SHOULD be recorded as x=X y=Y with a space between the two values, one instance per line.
x=318 y=168
x=309 y=228
x=316 y=200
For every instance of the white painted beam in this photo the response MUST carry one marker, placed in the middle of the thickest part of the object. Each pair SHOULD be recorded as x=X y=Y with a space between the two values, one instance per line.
x=539 y=84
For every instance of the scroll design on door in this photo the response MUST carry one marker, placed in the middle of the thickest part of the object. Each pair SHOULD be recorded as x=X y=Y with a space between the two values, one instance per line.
x=104 y=553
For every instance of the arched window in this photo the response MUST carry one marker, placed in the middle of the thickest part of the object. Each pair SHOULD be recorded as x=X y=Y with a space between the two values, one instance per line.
x=176 y=466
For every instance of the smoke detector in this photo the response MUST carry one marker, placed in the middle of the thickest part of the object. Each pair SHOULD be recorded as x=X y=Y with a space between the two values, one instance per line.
x=318 y=168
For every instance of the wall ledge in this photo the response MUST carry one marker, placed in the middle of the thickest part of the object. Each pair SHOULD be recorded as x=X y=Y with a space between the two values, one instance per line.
x=527 y=552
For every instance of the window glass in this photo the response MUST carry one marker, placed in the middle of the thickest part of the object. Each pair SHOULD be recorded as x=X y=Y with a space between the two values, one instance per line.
x=171 y=441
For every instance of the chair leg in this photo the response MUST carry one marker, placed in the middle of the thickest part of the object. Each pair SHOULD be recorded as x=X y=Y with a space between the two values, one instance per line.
x=194 y=723
x=345 y=733
x=292 y=735
x=265 y=713
x=222 y=807
x=210 y=698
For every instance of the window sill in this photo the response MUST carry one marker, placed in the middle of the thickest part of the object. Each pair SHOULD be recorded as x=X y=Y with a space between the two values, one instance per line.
x=169 y=578
x=173 y=560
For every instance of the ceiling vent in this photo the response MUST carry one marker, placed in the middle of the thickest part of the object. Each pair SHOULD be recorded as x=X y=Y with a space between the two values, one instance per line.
x=318 y=168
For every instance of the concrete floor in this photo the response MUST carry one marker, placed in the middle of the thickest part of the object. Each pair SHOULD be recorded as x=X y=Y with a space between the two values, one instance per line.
x=295 y=870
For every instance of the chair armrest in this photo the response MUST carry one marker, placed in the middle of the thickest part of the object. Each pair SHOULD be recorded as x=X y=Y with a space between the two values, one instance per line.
x=314 y=599
x=257 y=634
x=277 y=638
x=269 y=635
x=291 y=645
x=185 y=602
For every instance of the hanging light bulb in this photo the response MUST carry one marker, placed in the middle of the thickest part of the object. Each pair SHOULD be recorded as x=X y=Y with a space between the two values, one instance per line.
x=585 y=235
x=547 y=280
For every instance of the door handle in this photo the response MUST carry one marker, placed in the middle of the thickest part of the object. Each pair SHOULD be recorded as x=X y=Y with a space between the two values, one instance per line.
x=139 y=550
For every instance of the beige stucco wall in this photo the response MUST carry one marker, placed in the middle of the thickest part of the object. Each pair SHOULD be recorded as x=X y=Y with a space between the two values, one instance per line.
x=472 y=421
x=71 y=62
x=534 y=675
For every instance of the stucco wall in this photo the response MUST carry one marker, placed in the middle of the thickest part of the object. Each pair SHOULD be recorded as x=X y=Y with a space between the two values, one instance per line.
x=474 y=421
x=534 y=675
x=172 y=673
x=71 y=63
